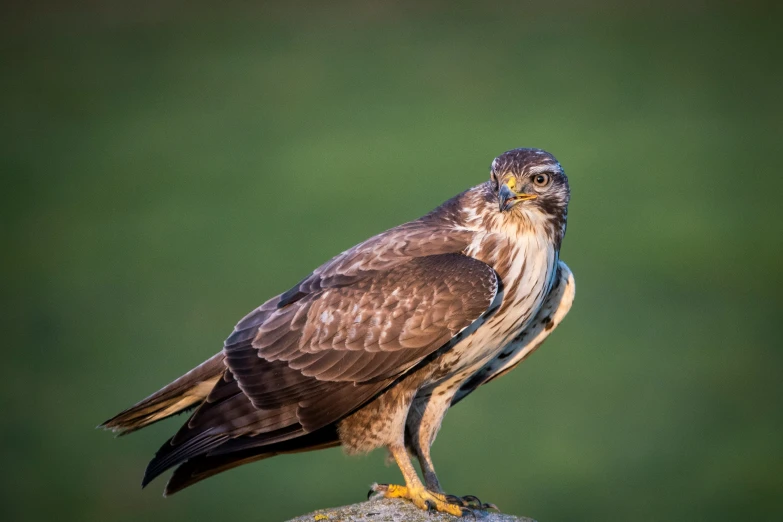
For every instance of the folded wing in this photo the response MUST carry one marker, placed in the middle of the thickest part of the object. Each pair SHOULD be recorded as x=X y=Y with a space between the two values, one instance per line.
x=303 y=362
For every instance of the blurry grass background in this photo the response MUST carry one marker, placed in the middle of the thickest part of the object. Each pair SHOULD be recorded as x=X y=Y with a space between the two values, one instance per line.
x=168 y=166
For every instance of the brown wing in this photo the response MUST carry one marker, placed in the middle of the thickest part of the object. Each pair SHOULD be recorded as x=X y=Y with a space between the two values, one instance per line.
x=300 y=366
x=372 y=330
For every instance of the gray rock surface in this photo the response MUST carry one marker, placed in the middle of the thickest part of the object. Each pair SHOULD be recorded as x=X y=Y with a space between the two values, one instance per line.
x=395 y=510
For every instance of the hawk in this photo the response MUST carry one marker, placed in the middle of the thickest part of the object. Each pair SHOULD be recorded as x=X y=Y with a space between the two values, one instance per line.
x=372 y=348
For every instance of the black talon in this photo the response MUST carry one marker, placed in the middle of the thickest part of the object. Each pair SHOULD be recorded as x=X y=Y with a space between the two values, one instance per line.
x=490 y=505
x=472 y=498
x=430 y=505
x=468 y=510
x=454 y=499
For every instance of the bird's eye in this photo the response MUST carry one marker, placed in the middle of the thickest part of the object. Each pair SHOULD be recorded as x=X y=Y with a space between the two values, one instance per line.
x=541 y=180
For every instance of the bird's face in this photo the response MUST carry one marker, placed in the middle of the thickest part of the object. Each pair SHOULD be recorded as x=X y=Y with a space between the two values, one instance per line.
x=530 y=183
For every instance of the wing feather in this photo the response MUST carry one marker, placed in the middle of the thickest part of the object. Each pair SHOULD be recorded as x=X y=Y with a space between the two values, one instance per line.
x=313 y=355
x=306 y=386
x=433 y=297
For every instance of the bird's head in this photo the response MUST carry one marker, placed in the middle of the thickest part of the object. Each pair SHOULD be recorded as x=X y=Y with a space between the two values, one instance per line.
x=530 y=183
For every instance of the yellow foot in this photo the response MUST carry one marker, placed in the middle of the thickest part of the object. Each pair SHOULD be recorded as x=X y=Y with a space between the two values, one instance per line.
x=422 y=498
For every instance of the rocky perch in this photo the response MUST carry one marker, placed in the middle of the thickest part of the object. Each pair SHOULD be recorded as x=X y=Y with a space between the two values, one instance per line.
x=394 y=510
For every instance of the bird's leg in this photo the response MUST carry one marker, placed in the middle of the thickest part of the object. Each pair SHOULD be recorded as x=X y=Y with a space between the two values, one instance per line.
x=427 y=467
x=413 y=489
x=431 y=480
x=423 y=425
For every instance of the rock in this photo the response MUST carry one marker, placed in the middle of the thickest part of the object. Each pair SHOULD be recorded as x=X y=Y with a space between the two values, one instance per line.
x=395 y=510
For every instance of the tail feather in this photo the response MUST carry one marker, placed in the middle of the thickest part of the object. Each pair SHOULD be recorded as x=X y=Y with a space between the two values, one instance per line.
x=169 y=456
x=208 y=453
x=207 y=465
x=184 y=393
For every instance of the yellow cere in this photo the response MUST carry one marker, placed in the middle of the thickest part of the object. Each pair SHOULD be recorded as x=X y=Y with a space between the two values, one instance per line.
x=512 y=183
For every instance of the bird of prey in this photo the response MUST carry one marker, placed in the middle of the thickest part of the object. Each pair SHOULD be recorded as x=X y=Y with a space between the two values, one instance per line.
x=372 y=348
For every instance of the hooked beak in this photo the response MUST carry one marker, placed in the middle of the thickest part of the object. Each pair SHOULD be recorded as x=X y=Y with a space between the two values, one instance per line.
x=507 y=198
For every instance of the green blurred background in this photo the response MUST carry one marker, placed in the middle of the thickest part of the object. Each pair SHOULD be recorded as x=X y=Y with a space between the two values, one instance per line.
x=167 y=166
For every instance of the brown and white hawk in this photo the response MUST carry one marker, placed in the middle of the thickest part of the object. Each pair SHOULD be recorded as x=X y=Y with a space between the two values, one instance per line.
x=374 y=346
